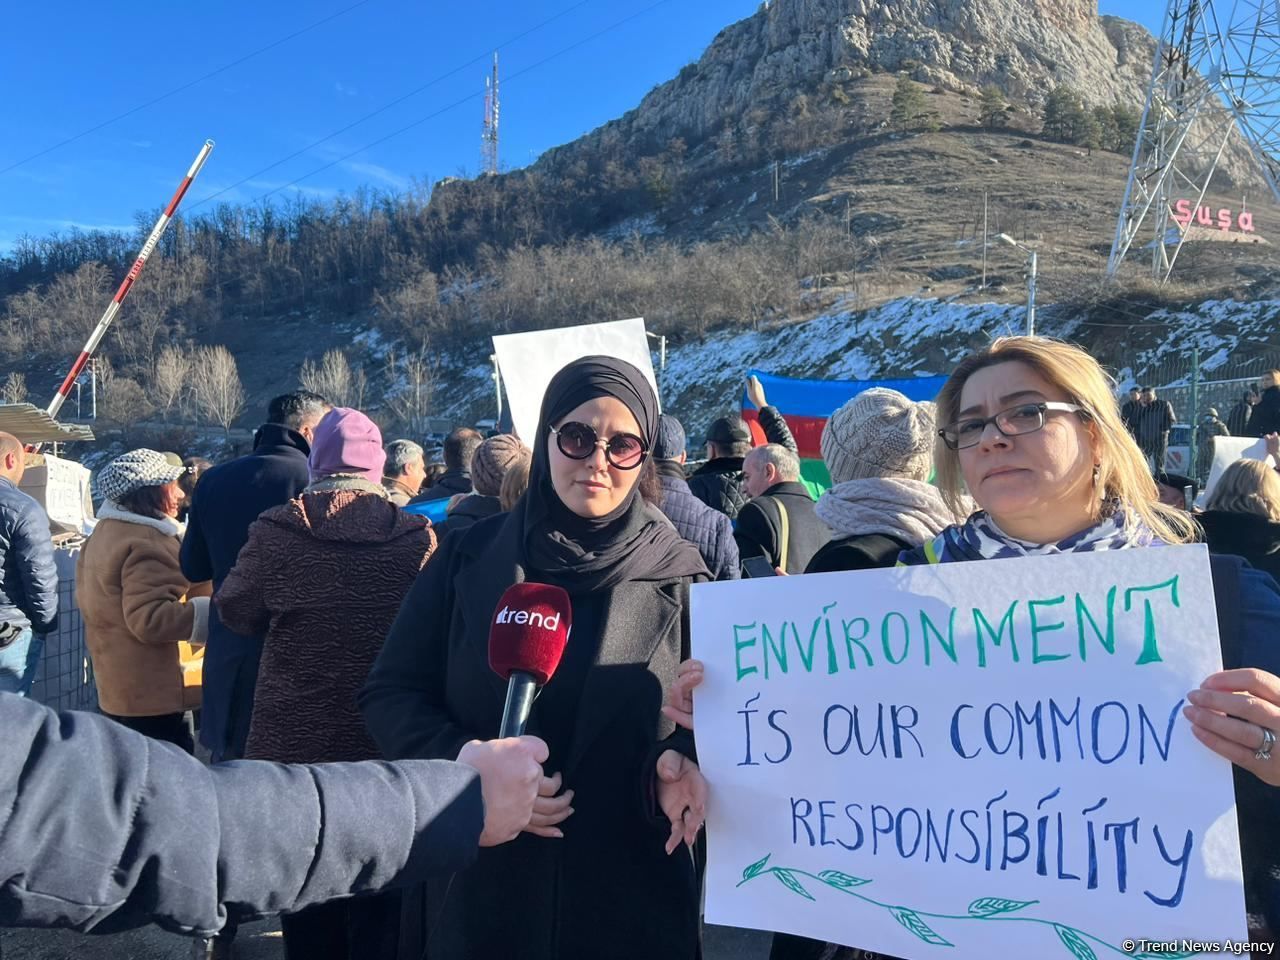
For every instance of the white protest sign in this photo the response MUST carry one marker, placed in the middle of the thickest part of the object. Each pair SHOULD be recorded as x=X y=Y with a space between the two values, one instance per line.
x=968 y=760
x=1226 y=451
x=528 y=361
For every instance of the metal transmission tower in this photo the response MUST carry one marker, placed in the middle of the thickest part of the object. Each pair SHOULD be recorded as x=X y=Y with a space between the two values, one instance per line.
x=1217 y=70
x=489 y=139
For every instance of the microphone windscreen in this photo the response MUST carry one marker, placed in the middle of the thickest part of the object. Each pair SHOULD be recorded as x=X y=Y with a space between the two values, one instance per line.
x=529 y=630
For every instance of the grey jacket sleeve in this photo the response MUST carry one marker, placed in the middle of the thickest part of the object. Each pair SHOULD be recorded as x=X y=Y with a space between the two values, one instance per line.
x=102 y=829
x=32 y=548
x=776 y=430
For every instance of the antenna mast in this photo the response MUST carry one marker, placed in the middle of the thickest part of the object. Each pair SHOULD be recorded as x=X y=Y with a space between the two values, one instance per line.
x=489 y=138
x=1217 y=70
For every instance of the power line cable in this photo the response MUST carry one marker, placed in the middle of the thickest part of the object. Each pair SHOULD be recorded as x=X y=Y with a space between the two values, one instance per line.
x=186 y=86
x=387 y=106
x=457 y=103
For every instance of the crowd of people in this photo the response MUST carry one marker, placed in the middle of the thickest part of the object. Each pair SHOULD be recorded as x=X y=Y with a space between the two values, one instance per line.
x=298 y=605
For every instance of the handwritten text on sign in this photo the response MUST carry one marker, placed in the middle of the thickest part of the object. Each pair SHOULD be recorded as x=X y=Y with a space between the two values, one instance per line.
x=958 y=759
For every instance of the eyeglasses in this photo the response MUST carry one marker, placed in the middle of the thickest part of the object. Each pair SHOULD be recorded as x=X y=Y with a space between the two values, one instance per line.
x=577 y=441
x=1014 y=422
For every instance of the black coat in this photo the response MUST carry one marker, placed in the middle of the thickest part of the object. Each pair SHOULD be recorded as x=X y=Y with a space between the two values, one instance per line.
x=607 y=888
x=1243 y=535
x=709 y=530
x=28 y=577
x=1238 y=419
x=451 y=482
x=759 y=531
x=864 y=551
x=228 y=498
x=718 y=483
x=1266 y=414
x=468 y=511
x=104 y=829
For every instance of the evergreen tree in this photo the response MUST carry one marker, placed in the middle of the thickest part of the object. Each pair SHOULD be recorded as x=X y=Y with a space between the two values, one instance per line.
x=909 y=106
x=1124 y=123
x=991 y=109
x=1063 y=115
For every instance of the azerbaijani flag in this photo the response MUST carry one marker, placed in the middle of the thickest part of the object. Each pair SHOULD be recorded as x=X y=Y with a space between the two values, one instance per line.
x=807 y=404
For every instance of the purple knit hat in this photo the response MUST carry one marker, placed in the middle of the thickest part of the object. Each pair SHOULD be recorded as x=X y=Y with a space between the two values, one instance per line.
x=347 y=442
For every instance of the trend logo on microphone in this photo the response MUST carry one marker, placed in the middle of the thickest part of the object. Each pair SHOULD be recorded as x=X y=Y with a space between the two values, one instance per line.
x=534 y=618
x=529 y=630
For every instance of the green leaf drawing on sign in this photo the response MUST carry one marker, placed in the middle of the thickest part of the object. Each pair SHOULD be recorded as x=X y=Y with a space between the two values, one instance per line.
x=755 y=868
x=911 y=920
x=837 y=879
x=1075 y=943
x=788 y=880
x=990 y=906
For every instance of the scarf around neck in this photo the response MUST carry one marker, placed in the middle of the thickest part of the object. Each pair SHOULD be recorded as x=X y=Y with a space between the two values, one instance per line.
x=981 y=535
x=909 y=510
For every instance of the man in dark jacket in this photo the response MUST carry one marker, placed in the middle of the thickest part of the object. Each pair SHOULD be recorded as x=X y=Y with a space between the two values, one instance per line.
x=103 y=829
x=718 y=482
x=1265 y=418
x=405 y=469
x=28 y=578
x=1129 y=410
x=709 y=530
x=459 y=447
x=779 y=523
x=228 y=498
x=1155 y=420
x=1238 y=418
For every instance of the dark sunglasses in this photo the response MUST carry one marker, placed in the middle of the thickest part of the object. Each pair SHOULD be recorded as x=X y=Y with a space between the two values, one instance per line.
x=577 y=441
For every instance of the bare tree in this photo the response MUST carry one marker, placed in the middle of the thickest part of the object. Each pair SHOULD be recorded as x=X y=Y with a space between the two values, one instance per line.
x=410 y=385
x=171 y=378
x=331 y=378
x=14 y=389
x=216 y=391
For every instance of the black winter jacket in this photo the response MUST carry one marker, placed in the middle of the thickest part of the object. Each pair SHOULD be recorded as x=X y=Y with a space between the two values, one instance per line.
x=451 y=482
x=228 y=498
x=28 y=578
x=468 y=511
x=863 y=551
x=759 y=532
x=718 y=483
x=709 y=530
x=1243 y=535
x=103 y=829
x=1266 y=414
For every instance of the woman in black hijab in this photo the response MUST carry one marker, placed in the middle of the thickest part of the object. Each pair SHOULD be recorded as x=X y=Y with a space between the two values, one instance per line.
x=591 y=876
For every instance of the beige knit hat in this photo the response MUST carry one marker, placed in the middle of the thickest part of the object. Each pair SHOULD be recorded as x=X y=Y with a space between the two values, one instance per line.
x=491 y=461
x=880 y=433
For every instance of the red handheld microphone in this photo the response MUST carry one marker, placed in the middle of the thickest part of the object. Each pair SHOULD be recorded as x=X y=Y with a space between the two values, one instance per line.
x=526 y=640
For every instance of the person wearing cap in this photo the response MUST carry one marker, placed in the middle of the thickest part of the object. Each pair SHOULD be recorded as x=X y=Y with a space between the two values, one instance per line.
x=878 y=448
x=709 y=530
x=1175 y=490
x=719 y=482
x=1210 y=426
x=489 y=465
x=141 y=623
x=320 y=579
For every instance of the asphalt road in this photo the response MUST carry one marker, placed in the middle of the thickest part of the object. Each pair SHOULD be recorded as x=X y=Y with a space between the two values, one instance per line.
x=261 y=941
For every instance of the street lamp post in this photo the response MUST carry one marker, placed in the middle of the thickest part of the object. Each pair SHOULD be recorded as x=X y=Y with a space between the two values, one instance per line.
x=1033 y=261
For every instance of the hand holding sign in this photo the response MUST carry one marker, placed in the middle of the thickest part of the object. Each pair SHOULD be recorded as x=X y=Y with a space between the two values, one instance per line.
x=679 y=705
x=682 y=795
x=1232 y=713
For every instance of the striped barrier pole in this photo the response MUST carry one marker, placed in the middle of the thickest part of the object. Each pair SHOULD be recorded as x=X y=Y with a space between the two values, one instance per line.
x=113 y=307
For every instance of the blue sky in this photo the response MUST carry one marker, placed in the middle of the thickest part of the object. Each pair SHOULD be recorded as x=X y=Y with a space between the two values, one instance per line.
x=70 y=66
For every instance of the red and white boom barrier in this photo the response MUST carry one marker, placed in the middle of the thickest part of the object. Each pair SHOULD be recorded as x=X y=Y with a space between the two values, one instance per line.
x=113 y=307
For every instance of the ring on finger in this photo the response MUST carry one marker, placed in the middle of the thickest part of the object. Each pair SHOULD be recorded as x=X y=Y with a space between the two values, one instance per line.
x=1268 y=741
